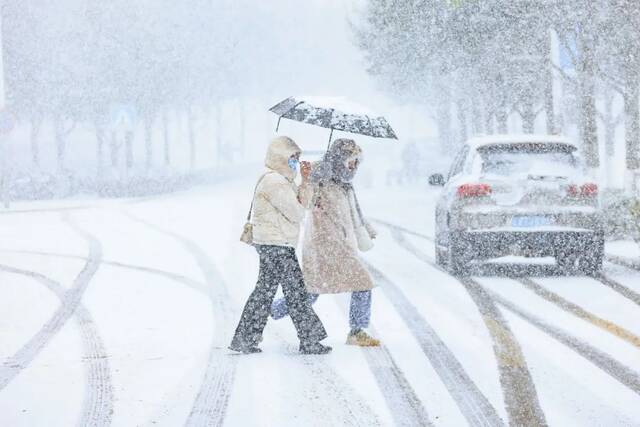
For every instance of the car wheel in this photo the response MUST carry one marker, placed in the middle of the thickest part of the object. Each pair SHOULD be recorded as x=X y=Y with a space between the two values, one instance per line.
x=458 y=258
x=587 y=260
x=590 y=262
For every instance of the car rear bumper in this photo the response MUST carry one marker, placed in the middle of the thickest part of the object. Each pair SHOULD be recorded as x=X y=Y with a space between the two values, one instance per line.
x=489 y=244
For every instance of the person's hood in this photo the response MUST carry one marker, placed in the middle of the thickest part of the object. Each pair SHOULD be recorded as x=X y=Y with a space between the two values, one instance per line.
x=333 y=165
x=279 y=152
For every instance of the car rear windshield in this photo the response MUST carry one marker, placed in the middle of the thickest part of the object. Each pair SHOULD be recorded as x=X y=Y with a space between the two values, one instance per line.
x=533 y=160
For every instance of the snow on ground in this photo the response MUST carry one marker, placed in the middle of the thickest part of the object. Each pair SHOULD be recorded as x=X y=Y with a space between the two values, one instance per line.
x=114 y=311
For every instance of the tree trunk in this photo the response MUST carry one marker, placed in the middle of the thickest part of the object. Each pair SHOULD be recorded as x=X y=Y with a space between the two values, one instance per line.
x=587 y=102
x=100 y=150
x=148 y=142
x=609 y=124
x=192 y=138
x=443 y=117
x=128 y=145
x=632 y=120
x=60 y=143
x=114 y=147
x=444 y=125
x=548 y=90
x=488 y=119
x=502 y=116
x=476 y=116
x=243 y=122
x=462 y=123
x=165 y=137
x=552 y=127
x=218 y=136
x=36 y=124
x=528 y=116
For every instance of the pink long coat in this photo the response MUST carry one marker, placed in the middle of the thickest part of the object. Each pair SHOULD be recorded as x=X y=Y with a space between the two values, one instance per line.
x=330 y=257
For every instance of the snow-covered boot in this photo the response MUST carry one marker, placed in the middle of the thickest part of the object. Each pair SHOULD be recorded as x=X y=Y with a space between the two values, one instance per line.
x=314 y=348
x=244 y=348
x=362 y=339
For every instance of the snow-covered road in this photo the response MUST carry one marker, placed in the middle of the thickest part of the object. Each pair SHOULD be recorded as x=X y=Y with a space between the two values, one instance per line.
x=119 y=313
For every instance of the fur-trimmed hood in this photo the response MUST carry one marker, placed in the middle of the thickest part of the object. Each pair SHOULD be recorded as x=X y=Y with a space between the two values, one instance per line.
x=333 y=166
x=279 y=152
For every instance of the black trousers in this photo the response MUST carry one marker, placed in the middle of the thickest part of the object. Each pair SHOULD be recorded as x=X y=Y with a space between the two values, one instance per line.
x=278 y=266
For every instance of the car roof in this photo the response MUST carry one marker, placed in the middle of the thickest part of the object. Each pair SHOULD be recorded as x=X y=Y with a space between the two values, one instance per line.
x=514 y=139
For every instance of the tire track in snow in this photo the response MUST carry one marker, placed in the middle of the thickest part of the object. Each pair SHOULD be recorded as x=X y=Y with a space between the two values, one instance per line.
x=212 y=399
x=346 y=407
x=580 y=312
x=520 y=395
x=619 y=288
x=606 y=363
x=97 y=408
x=199 y=286
x=402 y=401
x=618 y=371
x=624 y=262
x=473 y=405
x=25 y=355
x=183 y=280
x=403 y=230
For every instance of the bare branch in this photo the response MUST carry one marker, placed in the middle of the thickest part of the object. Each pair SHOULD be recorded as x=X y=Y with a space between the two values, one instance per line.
x=619 y=120
x=566 y=76
x=71 y=127
x=612 y=82
x=565 y=43
x=516 y=108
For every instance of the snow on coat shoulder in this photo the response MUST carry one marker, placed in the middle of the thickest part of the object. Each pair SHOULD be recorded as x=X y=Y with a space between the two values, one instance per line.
x=330 y=259
x=277 y=212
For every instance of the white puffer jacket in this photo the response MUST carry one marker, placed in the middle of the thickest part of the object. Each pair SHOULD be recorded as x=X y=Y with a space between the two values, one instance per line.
x=277 y=212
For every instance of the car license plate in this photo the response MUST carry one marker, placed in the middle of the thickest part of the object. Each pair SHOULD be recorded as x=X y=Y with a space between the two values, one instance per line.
x=530 y=221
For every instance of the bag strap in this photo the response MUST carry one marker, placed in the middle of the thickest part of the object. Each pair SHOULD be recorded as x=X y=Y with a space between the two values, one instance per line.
x=357 y=206
x=255 y=190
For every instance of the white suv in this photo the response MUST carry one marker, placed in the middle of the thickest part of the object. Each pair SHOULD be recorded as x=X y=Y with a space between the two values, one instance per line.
x=523 y=195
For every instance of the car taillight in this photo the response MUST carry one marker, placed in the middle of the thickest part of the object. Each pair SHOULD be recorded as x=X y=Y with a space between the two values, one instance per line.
x=585 y=190
x=589 y=190
x=473 y=190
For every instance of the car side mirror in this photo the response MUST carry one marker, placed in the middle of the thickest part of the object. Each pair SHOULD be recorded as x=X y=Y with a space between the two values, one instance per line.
x=436 y=179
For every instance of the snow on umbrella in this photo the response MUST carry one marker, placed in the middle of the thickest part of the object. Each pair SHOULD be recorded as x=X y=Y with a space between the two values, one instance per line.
x=331 y=113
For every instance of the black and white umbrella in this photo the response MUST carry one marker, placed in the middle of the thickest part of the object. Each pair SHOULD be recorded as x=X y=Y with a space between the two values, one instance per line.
x=331 y=113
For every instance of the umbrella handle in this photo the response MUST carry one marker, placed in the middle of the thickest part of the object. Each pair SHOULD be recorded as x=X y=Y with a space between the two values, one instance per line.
x=278 y=125
x=330 y=135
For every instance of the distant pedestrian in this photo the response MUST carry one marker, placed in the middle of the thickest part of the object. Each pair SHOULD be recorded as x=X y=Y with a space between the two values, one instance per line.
x=335 y=232
x=274 y=231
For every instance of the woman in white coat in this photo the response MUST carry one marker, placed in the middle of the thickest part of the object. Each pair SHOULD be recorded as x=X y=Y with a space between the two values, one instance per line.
x=277 y=214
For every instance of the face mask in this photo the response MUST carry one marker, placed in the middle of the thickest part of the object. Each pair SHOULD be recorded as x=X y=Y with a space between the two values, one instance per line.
x=294 y=164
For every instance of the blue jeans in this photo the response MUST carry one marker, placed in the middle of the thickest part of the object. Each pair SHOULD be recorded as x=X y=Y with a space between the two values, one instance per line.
x=359 y=309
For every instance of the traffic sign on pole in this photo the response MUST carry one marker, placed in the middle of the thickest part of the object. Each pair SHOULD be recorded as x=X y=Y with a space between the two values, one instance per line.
x=123 y=117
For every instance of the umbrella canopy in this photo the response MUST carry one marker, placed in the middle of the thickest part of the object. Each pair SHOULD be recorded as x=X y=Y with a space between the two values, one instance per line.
x=331 y=113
